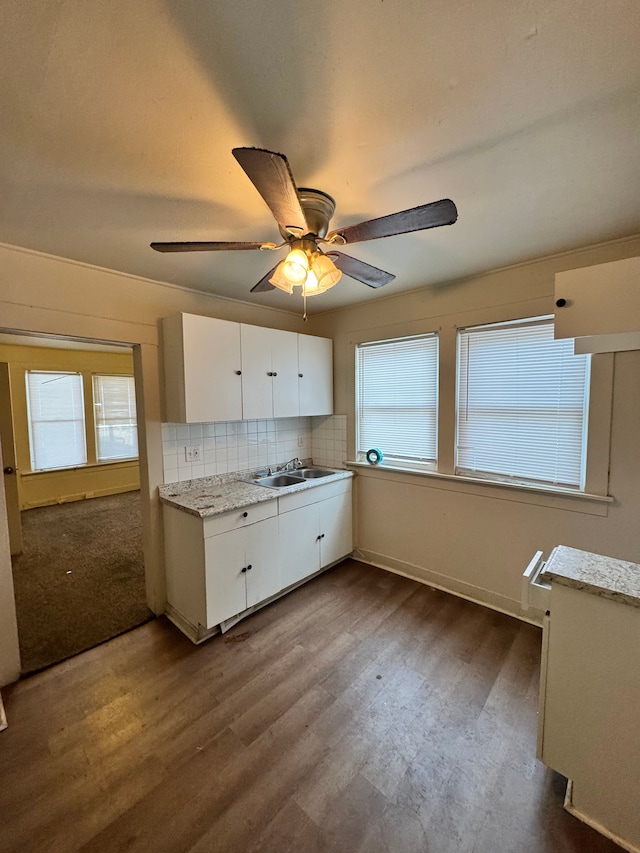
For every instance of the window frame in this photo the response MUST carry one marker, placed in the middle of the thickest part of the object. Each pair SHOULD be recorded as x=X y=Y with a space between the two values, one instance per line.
x=33 y=421
x=519 y=478
x=390 y=460
x=593 y=500
x=89 y=426
x=96 y=425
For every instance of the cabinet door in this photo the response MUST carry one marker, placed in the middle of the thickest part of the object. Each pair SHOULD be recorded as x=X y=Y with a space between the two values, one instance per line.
x=261 y=553
x=257 y=382
x=225 y=580
x=315 y=375
x=598 y=300
x=335 y=528
x=284 y=364
x=202 y=369
x=299 y=530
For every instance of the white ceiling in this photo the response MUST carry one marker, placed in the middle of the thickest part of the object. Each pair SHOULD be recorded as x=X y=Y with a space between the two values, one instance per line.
x=118 y=121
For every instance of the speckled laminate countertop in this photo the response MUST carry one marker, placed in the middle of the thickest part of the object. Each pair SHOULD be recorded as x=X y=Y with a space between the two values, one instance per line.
x=604 y=576
x=209 y=496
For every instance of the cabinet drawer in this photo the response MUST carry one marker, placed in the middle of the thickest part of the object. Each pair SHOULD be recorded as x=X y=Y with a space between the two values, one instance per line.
x=239 y=518
x=311 y=496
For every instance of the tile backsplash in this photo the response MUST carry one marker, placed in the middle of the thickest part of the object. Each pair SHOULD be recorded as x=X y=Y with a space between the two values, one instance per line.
x=202 y=450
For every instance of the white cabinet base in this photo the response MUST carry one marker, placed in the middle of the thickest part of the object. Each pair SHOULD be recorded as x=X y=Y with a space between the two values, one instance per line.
x=571 y=807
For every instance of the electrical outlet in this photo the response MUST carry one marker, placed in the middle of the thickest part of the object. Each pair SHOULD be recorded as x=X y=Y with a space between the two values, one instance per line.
x=300 y=441
x=192 y=454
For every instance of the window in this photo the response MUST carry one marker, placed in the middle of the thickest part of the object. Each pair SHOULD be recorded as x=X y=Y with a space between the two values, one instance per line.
x=56 y=420
x=397 y=400
x=114 y=401
x=522 y=405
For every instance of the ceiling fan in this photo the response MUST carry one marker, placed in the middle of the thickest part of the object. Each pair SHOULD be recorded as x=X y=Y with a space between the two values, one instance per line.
x=303 y=217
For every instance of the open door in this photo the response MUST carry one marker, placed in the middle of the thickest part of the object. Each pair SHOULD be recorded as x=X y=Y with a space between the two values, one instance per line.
x=9 y=462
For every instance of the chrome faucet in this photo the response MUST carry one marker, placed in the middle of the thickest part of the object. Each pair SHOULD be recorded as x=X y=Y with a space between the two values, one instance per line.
x=292 y=464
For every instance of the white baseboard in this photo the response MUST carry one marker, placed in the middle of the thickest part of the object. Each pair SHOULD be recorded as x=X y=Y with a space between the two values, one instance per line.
x=469 y=592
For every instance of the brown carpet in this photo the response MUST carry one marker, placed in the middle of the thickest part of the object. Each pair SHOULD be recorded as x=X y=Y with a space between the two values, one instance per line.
x=80 y=579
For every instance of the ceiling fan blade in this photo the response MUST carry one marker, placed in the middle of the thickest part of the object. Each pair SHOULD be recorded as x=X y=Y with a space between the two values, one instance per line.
x=365 y=273
x=271 y=175
x=205 y=247
x=264 y=284
x=431 y=215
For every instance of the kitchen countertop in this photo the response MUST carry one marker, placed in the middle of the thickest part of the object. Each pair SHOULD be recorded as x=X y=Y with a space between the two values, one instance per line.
x=208 y=496
x=593 y=573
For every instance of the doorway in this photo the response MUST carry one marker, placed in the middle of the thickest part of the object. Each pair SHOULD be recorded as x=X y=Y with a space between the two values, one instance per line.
x=79 y=575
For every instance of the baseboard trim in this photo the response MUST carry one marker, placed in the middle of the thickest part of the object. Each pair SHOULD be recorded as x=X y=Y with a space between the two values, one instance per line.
x=469 y=592
x=594 y=824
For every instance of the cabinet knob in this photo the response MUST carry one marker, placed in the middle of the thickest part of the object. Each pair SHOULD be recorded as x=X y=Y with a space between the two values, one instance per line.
x=560 y=303
x=245 y=514
x=249 y=567
x=274 y=374
x=322 y=536
x=243 y=569
x=238 y=373
x=9 y=470
x=318 y=538
x=300 y=375
x=269 y=373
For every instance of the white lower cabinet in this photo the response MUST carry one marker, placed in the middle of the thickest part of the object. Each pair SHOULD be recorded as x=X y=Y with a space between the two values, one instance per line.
x=315 y=530
x=242 y=569
x=221 y=566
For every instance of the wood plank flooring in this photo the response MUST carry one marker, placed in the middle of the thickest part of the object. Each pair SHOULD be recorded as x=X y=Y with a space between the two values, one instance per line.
x=362 y=713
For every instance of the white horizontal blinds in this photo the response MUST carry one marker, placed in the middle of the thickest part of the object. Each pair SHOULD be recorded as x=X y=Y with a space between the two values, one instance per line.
x=522 y=404
x=56 y=420
x=114 y=402
x=397 y=388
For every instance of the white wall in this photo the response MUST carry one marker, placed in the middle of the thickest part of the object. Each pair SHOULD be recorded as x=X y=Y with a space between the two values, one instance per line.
x=45 y=295
x=477 y=539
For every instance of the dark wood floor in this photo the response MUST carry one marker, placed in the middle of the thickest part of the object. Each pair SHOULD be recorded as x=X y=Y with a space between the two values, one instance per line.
x=363 y=712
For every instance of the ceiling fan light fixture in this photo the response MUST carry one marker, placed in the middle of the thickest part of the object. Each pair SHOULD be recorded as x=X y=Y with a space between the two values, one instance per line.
x=325 y=271
x=279 y=279
x=296 y=266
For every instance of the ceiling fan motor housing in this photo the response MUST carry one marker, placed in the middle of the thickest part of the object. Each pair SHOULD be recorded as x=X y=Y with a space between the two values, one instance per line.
x=318 y=209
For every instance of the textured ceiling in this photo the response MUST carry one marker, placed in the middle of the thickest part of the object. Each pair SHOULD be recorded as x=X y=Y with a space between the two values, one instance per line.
x=118 y=121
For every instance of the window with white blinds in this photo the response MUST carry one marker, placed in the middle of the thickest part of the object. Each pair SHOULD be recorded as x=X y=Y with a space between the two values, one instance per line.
x=114 y=404
x=397 y=400
x=522 y=405
x=56 y=420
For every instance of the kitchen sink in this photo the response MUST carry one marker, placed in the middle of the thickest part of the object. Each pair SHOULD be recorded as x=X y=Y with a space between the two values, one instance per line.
x=277 y=481
x=313 y=473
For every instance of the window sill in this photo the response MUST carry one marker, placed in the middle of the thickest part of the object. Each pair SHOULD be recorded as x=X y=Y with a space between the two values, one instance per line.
x=544 y=495
x=89 y=465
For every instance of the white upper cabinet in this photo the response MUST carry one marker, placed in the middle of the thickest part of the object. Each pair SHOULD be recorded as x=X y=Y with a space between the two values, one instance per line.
x=602 y=301
x=218 y=370
x=202 y=369
x=269 y=373
x=315 y=375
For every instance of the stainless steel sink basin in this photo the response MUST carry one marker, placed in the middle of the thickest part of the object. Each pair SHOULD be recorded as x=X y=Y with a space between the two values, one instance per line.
x=313 y=473
x=277 y=481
